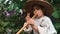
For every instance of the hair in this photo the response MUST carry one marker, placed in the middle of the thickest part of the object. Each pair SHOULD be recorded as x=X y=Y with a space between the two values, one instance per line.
x=36 y=6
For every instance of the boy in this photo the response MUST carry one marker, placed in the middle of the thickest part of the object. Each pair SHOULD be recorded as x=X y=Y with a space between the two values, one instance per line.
x=41 y=24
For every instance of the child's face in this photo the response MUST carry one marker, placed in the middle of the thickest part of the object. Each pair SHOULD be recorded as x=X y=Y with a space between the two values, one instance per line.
x=39 y=12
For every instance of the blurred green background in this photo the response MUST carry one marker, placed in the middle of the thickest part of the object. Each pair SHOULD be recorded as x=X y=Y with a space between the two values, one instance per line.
x=12 y=17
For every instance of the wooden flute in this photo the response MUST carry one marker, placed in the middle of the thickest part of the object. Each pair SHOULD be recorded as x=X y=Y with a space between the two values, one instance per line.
x=24 y=26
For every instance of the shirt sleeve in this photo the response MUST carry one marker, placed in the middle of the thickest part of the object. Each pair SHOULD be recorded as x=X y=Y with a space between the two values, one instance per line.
x=43 y=27
x=52 y=28
x=28 y=30
x=46 y=27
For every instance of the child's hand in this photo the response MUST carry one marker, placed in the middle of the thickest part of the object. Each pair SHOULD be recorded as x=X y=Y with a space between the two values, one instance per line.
x=30 y=21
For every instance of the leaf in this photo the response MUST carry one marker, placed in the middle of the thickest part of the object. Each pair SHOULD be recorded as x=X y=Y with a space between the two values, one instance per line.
x=55 y=13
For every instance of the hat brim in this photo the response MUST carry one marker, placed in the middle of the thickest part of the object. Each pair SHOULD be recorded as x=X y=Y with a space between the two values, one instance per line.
x=48 y=7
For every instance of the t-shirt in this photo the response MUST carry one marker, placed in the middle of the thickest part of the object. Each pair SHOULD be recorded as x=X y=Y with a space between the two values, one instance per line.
x=44 y=25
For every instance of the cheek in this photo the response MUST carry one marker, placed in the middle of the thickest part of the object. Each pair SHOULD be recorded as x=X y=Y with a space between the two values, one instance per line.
x=39 y=13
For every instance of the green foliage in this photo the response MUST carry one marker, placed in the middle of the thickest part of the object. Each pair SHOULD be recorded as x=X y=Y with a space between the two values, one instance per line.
x=16 y=21
x=56 y=13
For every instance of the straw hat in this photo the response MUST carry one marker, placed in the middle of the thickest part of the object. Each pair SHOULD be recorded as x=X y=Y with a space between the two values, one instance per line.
x=48 y=7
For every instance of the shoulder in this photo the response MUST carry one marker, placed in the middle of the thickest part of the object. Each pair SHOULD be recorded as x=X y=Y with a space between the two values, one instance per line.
x=46 y=18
